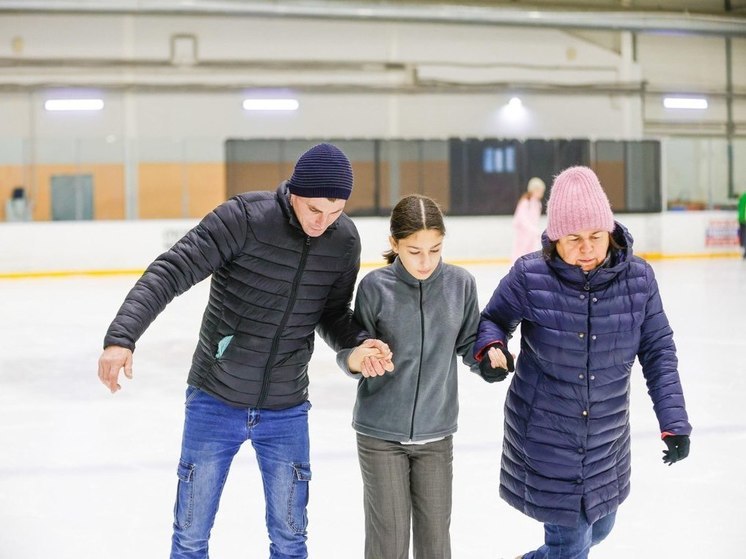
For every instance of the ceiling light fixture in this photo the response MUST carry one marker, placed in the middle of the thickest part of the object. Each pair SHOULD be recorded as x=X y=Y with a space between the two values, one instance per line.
x=74 y=104
x=699 y=103
x=271 y=104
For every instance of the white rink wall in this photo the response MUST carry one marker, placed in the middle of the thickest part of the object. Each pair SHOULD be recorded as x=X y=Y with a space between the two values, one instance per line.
x=52 y=248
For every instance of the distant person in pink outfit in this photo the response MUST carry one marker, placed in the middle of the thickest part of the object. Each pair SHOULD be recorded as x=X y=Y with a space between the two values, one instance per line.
x=526 y=230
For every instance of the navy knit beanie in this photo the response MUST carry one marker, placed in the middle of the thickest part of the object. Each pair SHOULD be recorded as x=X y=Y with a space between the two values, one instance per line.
x=322 y=172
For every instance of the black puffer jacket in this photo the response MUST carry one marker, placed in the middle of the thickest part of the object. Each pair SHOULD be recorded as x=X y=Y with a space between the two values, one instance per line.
x=272 y=285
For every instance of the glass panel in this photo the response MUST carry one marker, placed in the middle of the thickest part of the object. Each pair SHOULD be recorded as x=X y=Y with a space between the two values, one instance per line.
x=696 y=173
x=642 y=172
x=185 y=178
x=739 y=168
x=72 y=197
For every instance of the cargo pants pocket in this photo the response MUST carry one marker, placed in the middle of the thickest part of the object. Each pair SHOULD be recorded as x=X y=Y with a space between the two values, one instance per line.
x=298 y=497
x=184 y=508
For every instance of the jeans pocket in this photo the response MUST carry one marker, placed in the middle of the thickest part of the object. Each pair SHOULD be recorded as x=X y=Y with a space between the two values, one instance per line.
x=191 y=393
x=184 y=496
x=298 y=497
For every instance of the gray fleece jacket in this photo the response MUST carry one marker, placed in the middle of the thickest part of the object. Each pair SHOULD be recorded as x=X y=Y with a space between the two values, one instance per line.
x=426 y=323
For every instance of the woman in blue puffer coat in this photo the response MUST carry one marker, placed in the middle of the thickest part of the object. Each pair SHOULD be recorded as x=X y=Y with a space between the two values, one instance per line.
x=587 y=308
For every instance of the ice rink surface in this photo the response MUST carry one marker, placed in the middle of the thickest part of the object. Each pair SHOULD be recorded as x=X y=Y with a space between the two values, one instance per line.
x=85 y=474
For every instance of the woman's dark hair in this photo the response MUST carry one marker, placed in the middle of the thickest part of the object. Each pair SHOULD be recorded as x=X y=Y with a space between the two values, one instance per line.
x=411 y=214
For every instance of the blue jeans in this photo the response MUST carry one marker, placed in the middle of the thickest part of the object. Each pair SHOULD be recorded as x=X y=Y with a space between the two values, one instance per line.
x=213 y=433
x=562 y=542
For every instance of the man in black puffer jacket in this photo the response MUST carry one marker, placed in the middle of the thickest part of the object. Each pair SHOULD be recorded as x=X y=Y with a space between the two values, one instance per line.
x=283 y=265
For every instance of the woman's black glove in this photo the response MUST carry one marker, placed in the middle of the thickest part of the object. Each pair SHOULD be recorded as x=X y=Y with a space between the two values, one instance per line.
x=678 y=448
x=491 y=374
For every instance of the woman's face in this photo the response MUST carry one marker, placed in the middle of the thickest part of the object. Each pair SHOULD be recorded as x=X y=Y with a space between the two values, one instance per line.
x=420 y=252
x=586 y=249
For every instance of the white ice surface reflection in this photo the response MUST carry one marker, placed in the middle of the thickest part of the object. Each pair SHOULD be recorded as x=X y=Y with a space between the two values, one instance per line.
x=86 y=474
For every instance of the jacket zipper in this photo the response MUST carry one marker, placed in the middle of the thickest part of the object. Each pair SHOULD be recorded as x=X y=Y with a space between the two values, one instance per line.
x=419 y=368
x=587 y=289
x=587 y=404
x=281 y=327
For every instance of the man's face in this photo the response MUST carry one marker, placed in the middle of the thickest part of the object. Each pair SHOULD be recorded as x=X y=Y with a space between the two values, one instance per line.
x=316 y=214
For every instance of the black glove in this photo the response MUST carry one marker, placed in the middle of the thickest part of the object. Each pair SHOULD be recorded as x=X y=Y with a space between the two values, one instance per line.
x=491 y=374
x=678 y=448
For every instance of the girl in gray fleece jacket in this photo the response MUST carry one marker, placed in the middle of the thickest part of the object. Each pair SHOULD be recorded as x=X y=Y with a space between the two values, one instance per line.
x=427 y=311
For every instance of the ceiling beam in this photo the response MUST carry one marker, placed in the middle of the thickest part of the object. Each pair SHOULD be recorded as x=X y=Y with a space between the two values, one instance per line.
x=402 y=12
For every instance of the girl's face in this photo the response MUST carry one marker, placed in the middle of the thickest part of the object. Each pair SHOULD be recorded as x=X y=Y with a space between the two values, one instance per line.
x=420 y=252
x=586 y=249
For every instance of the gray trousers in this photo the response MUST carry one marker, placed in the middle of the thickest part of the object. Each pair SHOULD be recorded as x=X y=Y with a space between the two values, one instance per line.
x=406 y=486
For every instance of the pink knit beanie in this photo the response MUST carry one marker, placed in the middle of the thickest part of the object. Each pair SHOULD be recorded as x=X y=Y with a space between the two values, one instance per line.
x=577 y=203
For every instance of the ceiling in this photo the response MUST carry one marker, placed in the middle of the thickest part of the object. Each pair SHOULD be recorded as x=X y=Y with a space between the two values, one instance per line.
x=714 y=7
x=707 y=17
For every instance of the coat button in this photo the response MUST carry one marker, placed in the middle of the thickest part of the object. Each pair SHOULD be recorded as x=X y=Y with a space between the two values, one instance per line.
x=578 y=481
x=593 y=377
x=585 y=413
x=581 y=450
x=581 y=375
x=593 y=337
x=582 y=296
x=581 y=335
x=594 y=300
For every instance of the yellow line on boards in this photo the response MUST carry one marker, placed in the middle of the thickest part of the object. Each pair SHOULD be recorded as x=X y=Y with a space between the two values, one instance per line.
x=458 y=262
x=68 y=273
x=688 y=256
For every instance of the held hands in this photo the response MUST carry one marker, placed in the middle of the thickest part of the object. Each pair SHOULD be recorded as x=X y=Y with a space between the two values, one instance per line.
x=371 y=358
x=112 y=360
x=496 y=364
x=678 y=448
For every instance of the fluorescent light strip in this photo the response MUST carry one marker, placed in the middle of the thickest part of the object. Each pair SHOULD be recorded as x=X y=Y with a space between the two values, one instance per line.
x=699 y=103
x=270 y=104
x=74 y=104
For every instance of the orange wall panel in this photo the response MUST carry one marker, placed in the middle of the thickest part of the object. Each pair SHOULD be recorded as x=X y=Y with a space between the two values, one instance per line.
x=206 y=187
x=437 y=179
x=430 y=178
x=42 y=203
x=10 y=177
x=108 y=191
x=363 y=186
x=161 y=191
x=176 y=190
x=254 y=176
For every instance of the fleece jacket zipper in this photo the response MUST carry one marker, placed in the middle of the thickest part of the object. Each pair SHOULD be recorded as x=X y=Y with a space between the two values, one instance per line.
x=419 y=368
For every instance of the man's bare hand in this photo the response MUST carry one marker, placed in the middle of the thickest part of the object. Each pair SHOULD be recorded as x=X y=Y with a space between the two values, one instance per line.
x=112 y=360
x=371 y=358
